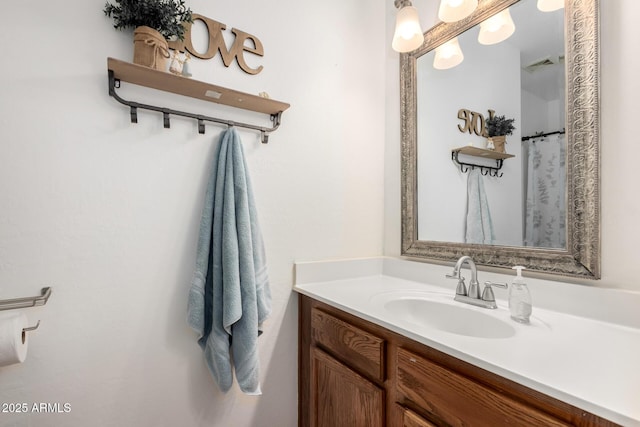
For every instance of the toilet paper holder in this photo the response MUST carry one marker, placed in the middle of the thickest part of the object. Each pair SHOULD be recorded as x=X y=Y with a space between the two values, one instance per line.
x=17 y=303
x=11 y=304
x=31 y=328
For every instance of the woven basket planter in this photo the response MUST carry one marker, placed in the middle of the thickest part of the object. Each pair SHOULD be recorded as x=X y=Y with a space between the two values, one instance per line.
x=498 y=143
x=150 y=48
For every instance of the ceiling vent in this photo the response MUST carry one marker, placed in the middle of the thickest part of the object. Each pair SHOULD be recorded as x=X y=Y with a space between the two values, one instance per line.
x=543 y=63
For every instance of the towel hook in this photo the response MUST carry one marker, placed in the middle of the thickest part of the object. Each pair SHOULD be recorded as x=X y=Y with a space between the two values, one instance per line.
x=264 y=137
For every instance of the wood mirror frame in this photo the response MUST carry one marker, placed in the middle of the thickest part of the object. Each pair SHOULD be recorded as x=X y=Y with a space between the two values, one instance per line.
x=581 y=257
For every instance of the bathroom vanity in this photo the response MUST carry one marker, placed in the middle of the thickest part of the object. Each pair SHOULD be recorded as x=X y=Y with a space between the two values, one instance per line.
x=353 y=372
x=362 y=364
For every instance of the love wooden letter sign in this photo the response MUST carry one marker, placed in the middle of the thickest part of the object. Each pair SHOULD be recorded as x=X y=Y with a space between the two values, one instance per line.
x=216 y=44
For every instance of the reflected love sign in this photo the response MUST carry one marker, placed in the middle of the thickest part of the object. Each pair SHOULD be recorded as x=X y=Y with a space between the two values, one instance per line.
x=473 y=122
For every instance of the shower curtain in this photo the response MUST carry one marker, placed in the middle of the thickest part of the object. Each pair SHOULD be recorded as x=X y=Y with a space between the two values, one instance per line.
x=545 y=224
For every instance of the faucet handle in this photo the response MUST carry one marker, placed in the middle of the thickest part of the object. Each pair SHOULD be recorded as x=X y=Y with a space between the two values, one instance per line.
x=487 y=293
x=461 y=289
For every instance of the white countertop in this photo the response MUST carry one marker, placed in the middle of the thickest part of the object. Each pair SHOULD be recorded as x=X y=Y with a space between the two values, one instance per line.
x=589 y=363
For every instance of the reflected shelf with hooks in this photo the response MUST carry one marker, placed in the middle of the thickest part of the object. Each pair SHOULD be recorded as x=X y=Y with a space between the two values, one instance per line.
x=122 y=71
x=482 y=153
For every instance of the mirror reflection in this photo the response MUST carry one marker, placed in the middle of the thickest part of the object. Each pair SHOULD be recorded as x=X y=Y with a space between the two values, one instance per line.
x=517 y=71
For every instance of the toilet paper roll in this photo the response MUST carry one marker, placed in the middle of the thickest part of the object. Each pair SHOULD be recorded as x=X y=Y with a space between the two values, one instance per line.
x=13 y=340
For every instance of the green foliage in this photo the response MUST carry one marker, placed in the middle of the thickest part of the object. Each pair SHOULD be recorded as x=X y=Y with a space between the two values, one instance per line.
x=164 y=16
x=499 y=125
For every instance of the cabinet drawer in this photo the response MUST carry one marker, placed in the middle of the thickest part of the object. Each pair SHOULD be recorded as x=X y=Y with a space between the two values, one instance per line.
x=411 y=419
x=457 y=400
x=361 y=349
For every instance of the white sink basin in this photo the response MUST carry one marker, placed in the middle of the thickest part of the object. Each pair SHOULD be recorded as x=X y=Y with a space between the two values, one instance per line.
x=448 y=316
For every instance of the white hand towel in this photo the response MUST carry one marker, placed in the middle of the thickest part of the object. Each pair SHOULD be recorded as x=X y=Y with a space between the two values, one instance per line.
x=479 y=228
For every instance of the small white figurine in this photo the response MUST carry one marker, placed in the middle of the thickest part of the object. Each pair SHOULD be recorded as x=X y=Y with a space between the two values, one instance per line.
x=185 y=65
x=176 y=63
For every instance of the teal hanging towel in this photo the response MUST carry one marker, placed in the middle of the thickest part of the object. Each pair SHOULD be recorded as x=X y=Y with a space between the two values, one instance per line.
x=229 y=298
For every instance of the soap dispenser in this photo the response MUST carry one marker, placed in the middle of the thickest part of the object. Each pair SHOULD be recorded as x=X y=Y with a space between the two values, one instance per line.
x=519 y=298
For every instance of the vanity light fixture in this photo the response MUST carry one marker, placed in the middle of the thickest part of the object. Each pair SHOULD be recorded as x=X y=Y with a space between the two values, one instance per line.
x=497 y=28
x=448 y=55
x=455 y=10
x=550 y=5
x=408 y=35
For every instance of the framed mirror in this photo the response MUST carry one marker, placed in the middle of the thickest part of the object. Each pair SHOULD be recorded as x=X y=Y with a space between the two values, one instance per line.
x=542 y=195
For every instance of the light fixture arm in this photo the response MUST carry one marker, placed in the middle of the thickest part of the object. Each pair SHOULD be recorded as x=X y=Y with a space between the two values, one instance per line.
x=399 y=4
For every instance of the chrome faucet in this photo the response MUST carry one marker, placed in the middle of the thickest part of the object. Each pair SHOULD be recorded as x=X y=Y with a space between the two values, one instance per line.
x=472 y=296
x=473 y=285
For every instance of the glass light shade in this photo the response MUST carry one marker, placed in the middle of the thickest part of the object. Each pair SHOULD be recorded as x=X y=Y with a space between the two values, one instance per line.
x=550 y=5
x=448 y=55
x=455 y=10
x=497 y=28
x=408 y=35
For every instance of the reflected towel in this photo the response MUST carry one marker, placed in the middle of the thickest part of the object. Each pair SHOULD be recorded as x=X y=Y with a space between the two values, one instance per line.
x=229 y=296
x=479 y=228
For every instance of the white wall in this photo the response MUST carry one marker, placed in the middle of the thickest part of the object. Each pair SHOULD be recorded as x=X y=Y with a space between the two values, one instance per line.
x=107 y=212
x=619 y=151
x=542 y=116
x=536 y=110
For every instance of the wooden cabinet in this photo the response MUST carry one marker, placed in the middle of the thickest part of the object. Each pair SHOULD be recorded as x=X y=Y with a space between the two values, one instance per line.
x=355 y=373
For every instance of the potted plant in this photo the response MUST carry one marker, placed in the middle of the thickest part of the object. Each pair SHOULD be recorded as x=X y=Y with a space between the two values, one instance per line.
x=153 y=21
x=498 y=127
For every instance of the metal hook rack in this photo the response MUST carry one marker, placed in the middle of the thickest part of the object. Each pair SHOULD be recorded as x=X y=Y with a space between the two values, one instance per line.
x=17 y=303
x=166 y=112
x=144 y=76
x=481 y=153
x=484 y=170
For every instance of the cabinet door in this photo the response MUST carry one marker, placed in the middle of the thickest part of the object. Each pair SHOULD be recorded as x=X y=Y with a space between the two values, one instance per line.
x=341 y=397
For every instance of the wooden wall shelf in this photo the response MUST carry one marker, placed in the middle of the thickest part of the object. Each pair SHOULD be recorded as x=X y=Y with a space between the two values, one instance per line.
x=481 y=152
x=148 y=77
x=164 y=81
